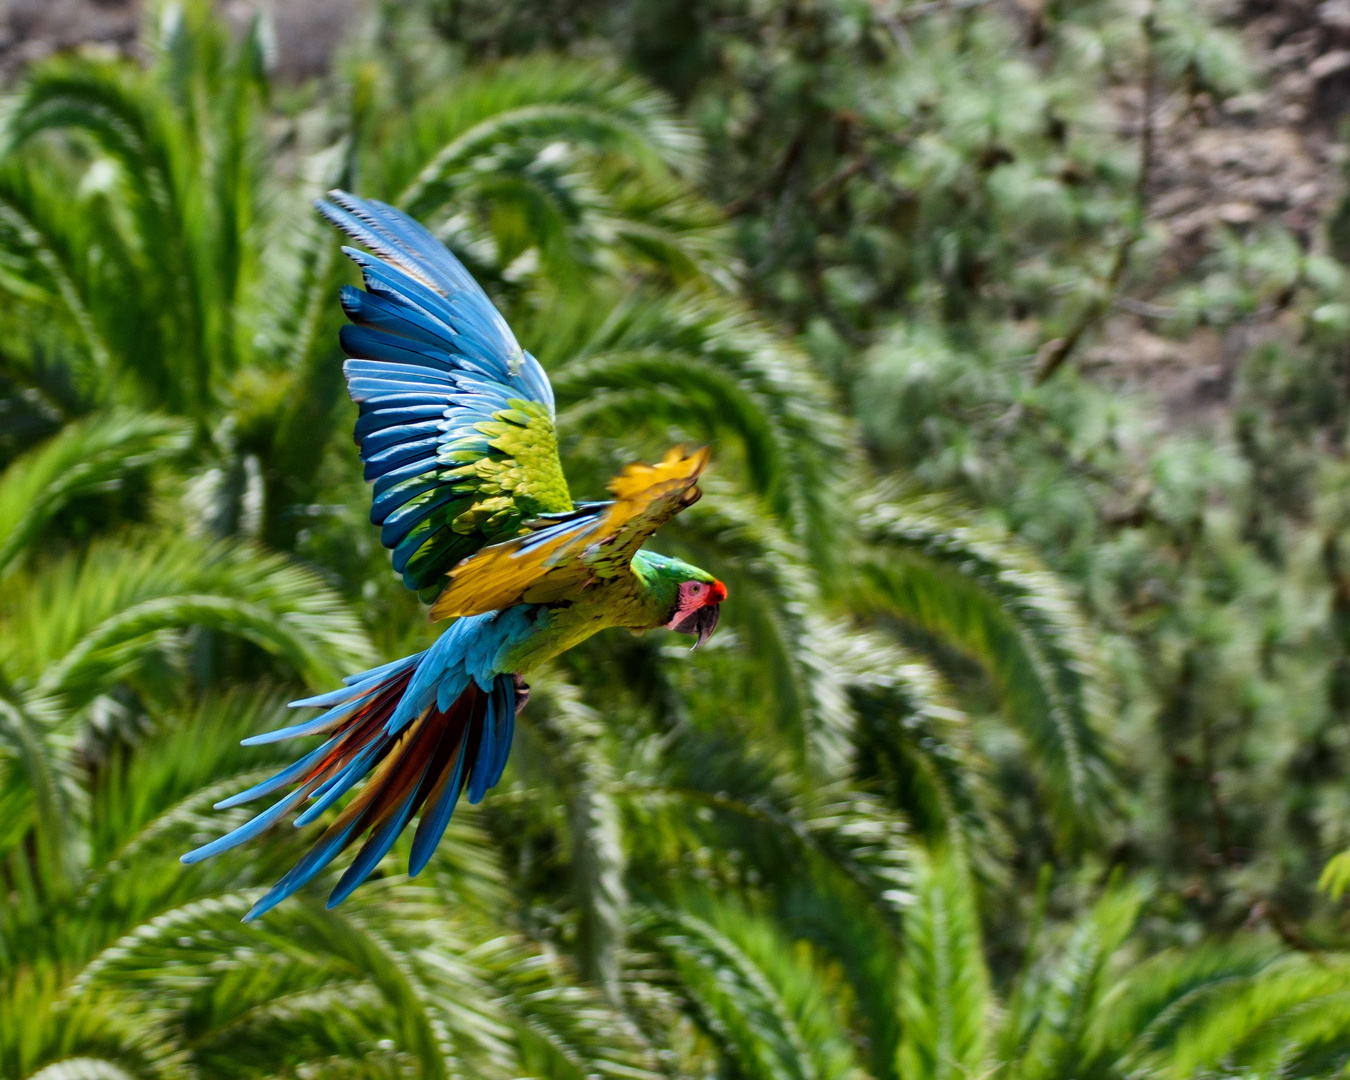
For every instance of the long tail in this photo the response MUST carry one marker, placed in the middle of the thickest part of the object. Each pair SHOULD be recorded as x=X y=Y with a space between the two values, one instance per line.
x=419 y=764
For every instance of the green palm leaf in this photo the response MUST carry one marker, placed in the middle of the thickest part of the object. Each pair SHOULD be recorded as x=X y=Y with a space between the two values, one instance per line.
x=540 y=99
x=968 y=586
x=1064 y=1001
x=94 y=1036
x=81 y=622
x=707 y=369
x=83 y=458
x=1290 y=1019
x=944 y=985
x=763 y=1004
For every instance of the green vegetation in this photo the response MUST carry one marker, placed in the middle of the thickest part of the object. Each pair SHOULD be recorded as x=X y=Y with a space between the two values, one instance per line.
x=1022 y=748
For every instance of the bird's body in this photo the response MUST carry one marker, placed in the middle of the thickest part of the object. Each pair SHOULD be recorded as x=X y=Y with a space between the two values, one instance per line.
x=457 y=433
x=639 y=600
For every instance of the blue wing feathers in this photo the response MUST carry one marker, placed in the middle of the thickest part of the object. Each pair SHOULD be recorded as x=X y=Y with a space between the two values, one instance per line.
x=406 y=464
x=388 y=486
x=414 y=399
x=362 y=387
x=427 y=522
x=472 y=337
x=438 y=557
x=382 y=460
x=384 y=229
x=366 y=344
x=384 y=313
x=540 y=388
x=432 y=358
x=410 y=377
x=415 y=511
x=374 y=420
x=386 y=282
x=388 y=436
x=411 y=559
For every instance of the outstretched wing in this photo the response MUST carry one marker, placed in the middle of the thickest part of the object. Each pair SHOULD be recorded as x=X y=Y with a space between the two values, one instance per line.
x=457 y=420
x=565 y=555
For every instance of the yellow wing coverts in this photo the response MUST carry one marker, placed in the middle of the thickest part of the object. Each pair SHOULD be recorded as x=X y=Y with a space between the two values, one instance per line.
x=565 y=555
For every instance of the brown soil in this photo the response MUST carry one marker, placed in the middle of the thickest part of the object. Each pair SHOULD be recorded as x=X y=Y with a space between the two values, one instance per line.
x=1271 y=156
x=307 y=31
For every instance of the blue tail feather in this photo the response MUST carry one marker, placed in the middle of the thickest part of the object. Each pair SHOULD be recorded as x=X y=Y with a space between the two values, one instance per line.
x=478 y=777
x=421 y=731
x=289 y=775
x=436 y=816
x=374 y=850
x=246 y=831
x=339 y=784
x=363 y=677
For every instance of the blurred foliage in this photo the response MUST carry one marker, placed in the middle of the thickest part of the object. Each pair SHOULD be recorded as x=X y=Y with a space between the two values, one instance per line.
x=1022 y=747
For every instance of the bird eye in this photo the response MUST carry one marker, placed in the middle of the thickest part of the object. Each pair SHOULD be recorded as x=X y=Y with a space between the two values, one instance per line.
x=696 y=588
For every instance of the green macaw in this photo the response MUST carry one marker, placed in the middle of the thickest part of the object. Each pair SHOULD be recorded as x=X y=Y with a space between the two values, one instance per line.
x=456 y=430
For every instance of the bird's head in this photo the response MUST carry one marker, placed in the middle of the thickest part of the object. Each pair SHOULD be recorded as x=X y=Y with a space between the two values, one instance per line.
x=698 y=606
x=695 y=595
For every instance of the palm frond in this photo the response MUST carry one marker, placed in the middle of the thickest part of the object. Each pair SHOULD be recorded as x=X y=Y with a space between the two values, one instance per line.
x=706 y=369
x=765 y=1005
x=1141 y=1016
x=116 y=108
x=914 y=743
x=534 y=101
x=97 y=1035
x=972 y=589
x=46 y=242
x=1284 y=1018
x=32 y=779
x=83 y=458
x=175 y=251
x=944 y=984
x=774 y=605
x=81 y=622
x=1335 y=877
x=562 y=1030
x=1067 y=992
x=572 y=736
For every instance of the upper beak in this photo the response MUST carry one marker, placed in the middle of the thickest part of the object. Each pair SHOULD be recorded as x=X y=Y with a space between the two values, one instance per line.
x=701 y=622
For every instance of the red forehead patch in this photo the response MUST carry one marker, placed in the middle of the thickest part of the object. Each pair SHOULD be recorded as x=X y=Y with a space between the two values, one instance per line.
x=717 y=593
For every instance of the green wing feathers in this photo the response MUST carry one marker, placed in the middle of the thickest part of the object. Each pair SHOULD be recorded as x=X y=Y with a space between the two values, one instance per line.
x=508 y=475
x=518 y=480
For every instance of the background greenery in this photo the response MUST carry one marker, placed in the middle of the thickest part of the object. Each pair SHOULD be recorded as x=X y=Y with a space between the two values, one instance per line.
x=1024 y=744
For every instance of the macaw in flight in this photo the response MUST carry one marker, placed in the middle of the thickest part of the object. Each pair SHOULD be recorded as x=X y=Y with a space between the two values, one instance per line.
x=456 y=430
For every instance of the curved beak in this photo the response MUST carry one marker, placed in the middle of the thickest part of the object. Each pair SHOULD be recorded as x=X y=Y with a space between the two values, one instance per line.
x=701 y=622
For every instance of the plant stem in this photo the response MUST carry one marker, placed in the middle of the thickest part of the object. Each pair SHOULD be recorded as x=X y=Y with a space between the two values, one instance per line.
x=1055 y=352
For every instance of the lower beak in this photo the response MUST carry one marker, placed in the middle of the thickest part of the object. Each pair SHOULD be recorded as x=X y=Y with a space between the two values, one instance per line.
x=702 y=622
